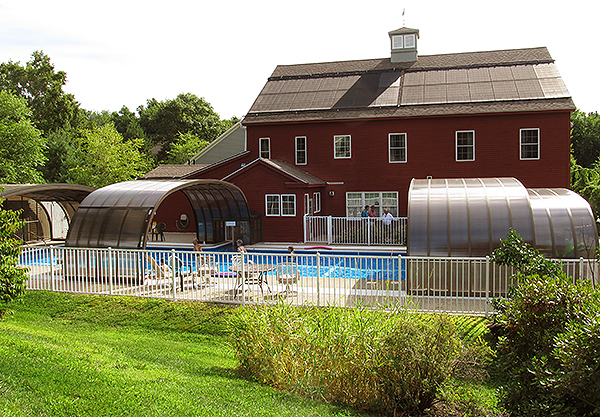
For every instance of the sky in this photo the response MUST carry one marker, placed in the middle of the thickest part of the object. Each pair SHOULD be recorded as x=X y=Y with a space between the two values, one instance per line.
x=124 y=52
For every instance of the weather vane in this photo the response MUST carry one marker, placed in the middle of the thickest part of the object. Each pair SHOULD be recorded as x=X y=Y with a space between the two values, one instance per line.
x=403 y=19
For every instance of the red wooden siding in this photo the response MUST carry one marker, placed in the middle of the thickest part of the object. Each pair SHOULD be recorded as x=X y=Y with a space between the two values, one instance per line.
x=430 y=152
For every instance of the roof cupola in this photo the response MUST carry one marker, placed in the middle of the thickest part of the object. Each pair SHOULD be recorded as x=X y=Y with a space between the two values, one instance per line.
x=404 y=44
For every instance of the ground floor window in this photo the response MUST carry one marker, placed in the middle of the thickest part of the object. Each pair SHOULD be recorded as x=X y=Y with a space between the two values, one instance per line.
x=356 y=201
x=280 y=204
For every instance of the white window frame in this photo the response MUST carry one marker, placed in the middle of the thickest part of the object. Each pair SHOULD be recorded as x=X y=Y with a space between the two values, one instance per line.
x=307 y=204
x=260 y=147
x=335 y=142
x=380 y=199
x=521 y=144
x=410 y=41
x=317 y=198
x=395 y=148
x=284 y=207
x=456 y=147
x=277 y=206
x=298 y=151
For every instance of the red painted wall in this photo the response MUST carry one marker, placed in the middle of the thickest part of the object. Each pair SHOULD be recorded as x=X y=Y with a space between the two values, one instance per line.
x=430 y=152
x=170 y=211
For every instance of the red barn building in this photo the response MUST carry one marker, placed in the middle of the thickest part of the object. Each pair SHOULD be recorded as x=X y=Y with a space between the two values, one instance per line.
x=329 y=138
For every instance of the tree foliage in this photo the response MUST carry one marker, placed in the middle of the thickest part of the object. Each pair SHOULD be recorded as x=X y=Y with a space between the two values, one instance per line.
x=99 y=157
x=585 y=138
x=42 y=87
x=12 y=277
x=21 y=144
x=164 y=121
x=185 y=147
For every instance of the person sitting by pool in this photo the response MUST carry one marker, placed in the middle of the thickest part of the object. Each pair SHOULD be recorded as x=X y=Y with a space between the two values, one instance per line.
x=240 y=246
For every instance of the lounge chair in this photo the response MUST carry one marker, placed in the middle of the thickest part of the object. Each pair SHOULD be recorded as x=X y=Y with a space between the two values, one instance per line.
x=161 y=276
x=182 y=273
x=206 y=267
x=288 y=274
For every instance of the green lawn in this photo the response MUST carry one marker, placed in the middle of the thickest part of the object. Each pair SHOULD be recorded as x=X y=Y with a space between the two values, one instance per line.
x=79 y=355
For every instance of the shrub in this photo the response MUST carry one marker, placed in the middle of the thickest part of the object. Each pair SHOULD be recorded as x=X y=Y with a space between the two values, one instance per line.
x=371 y=360
x=12 y=278
x=547 y=352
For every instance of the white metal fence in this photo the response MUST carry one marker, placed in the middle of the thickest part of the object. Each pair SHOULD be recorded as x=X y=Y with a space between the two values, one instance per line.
x=354 y=230
x=456 y=285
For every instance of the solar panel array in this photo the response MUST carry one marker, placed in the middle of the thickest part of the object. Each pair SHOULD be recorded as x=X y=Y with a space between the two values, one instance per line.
x=521 y=82
x=464 y=85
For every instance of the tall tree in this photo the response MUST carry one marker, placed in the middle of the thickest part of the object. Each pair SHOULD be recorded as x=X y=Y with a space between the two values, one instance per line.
x=42 y=87
x=164 y=121
x=21 y=144
x=186 y=146
x=585 y=138
x=100 y=157
x=12 y=277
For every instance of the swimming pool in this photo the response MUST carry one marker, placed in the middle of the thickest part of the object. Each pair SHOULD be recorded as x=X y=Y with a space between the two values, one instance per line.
x=331 y=264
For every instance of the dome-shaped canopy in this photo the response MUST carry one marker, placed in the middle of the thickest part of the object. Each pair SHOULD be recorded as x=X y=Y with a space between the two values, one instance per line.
x=120 y=215
x=469 y=216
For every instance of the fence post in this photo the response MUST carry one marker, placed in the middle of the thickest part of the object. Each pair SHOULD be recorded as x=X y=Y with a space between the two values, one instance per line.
x=304 y=226
x=243 y=276
x=52 y=277
x=368 y=231
x=329 y=230
x=581 y=277
x=110 y=271
x=173 y=274
x=487 y=284
x=318 y=279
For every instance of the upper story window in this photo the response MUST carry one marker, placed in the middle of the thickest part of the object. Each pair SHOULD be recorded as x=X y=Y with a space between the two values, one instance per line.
x=342 y=146
x=397 y=147
x=465 y=145
x=530 y=143
x=265 y=147
x=301 y=150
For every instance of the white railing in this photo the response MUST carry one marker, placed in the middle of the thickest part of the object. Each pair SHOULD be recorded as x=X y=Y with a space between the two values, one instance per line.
x=456 y=285
x=354 y=230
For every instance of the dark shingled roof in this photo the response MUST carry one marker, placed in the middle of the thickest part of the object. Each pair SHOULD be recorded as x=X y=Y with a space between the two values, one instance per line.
x=167 y=172
x=514 y=80
x=290 y=170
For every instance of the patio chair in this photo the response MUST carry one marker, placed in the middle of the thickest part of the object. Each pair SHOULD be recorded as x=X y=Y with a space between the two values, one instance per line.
x=288 y=274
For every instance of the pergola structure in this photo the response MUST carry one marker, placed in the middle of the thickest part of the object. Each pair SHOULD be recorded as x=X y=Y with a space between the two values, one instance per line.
x=469 y=216
x=121 y=215
x=46 y=208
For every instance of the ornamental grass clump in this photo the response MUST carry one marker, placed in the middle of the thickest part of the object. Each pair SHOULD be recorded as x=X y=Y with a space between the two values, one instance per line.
x=388 y=362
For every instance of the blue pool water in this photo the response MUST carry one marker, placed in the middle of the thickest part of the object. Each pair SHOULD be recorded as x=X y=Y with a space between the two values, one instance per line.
x=331 y=264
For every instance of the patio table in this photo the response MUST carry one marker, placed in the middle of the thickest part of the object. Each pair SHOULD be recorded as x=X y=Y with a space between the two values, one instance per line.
x=255 y=274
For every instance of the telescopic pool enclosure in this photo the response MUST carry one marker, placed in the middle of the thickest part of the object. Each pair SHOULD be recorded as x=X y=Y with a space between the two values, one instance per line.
x=120 y=215
x=469 y=216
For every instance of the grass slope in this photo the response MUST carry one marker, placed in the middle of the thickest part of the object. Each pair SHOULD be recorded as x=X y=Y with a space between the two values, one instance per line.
x=80 y=355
